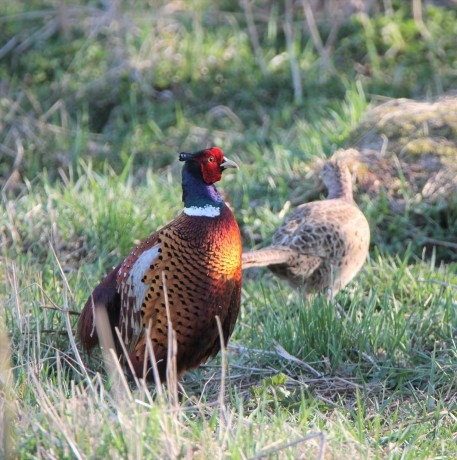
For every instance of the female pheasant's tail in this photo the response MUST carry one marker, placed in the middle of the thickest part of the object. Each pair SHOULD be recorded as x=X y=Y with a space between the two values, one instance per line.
x=267 y=256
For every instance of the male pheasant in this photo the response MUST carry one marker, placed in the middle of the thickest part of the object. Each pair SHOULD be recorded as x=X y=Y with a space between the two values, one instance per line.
x=199 y=256
x=321 y=245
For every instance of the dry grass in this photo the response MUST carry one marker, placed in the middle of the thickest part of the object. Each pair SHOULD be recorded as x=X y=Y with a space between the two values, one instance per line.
x=6 y=404
x=96 y=100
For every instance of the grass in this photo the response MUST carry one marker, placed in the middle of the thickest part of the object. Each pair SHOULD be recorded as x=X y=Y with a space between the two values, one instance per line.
x=387 y=367
x=93 y=116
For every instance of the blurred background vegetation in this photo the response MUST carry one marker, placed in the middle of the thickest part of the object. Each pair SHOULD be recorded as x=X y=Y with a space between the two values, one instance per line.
x=110 y=79
x=126 y=85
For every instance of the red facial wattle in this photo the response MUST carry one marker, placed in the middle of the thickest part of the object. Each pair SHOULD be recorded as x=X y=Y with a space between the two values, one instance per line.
x=211 y=165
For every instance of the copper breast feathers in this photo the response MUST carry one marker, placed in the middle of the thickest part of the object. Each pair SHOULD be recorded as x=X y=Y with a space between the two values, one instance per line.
x=199 y=259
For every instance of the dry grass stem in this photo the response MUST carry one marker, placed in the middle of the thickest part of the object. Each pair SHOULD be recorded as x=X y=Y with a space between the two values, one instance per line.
x=290 y=39
x=254 y=37
x=6 y=406
x=283 y=353
x=440 y=283
x=313 y=29
x=274 y=450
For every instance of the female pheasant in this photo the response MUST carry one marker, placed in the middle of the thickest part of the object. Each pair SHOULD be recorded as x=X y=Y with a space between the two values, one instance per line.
x=198 y=255
x=321 y=245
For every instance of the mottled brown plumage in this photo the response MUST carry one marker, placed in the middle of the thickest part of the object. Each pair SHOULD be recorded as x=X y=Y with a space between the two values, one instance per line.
x=199 y=256
x=321 y=245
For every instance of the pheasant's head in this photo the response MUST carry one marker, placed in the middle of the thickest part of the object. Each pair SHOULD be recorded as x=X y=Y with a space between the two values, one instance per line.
x=337 y=178
x=211 y=163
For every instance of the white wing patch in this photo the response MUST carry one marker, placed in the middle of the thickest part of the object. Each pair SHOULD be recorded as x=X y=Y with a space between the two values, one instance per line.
x=206 y=211
x=134 y=287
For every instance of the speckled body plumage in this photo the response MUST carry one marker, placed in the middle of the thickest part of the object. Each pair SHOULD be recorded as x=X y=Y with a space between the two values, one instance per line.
x=330 y=239
x=200 y=260
x=321 y=245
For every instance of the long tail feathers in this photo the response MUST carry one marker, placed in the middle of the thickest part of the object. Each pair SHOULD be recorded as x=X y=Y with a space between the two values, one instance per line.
x=87 y=333
x=267 y=256
x=105 y=299
x=94 y=327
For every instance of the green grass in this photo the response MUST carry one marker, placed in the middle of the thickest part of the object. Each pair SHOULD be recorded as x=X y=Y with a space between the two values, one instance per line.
x=387 y=358
x=95 y=116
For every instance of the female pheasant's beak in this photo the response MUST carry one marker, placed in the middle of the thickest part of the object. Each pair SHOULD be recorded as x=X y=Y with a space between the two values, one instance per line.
x=228 y=164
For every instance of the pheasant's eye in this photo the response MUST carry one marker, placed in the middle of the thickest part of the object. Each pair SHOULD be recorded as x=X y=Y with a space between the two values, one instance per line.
x=211 y=159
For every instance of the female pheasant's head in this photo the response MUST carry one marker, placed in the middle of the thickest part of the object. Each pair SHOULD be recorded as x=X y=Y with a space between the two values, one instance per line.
x=337 y=178
x=201 y=170
x=211 y=162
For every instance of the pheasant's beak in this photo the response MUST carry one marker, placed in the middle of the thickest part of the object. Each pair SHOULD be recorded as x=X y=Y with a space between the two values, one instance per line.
x=228 y=164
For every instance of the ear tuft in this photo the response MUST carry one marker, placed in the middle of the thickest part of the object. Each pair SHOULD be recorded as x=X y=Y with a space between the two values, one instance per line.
x=184 y=156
